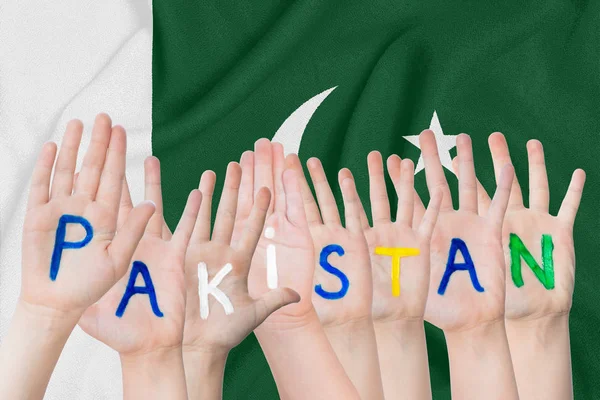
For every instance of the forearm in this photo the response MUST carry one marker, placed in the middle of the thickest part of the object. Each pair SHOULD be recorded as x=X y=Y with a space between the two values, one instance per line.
x=480 y=363
x=156 y=375
x=355 y=345
x=204 y=372
x=403 y=359
x=30 y=350
x=303 y=362
x=541 y=355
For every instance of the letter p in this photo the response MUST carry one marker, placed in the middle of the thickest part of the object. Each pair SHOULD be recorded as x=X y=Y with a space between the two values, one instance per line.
x=60 y=244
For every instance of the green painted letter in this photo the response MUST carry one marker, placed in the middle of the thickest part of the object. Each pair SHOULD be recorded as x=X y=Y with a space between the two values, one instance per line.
x=518 y=250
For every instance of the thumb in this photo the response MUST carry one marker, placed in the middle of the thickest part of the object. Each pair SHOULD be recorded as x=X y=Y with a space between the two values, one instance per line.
x=272 y=301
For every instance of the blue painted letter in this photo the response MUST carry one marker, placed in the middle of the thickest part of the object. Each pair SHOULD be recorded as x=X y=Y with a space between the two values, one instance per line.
x=452 y=267
x=60 y=244
x=327 y=250
x=139 y=268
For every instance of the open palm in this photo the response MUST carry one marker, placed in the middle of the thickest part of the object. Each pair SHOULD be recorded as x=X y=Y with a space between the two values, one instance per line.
x=83 y=275
x=532 y=300
x=218 y=330
x=326 y=230
x=286 y=221
x=465 y=302
x=144 y=327
x=402 y=233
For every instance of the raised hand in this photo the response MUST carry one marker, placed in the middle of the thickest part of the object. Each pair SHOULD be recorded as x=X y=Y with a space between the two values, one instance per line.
x=540 y=261
x=411 y=229
x=467 y=280
x=399 y=297
x=343 y=288
x=285 y=258
x=214 y=324
x=136 y=323
x=142 y=316
x=285 y=229
x=476 y=295
x=72 y=254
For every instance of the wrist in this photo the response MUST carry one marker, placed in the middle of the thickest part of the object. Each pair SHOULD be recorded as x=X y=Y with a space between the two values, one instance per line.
x=151 y=359
x=543 y=332
x=484 y=333
x=284 y=324
x=45 y=322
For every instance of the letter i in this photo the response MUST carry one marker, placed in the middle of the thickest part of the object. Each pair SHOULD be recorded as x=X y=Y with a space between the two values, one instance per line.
x=271 y=260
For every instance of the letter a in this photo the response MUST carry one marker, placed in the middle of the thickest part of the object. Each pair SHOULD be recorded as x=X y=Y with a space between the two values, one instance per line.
x=518 y=250
x=139 y=268
x=206 y=288
x=60 y=244
x=452 y=267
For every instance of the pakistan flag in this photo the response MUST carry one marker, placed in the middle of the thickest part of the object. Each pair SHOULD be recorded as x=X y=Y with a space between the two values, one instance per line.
x=337 y=79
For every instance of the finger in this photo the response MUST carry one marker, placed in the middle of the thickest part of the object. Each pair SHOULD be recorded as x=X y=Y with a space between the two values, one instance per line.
x=380 y=203
x=294 y=209
x=153 y=192
x=570 y=204
x=364 y=221
x=406 y=195
x=185 y=227
x=124 y=243
x=62 y=183
x=263 y=167
x=225 y=218
x=467 y=182
x=500 y=157
x=93 y=161
x=40 y=179
x=394 y=166
x=419 y=209
x=278 y=167
x=539 y=195
x=325 y=199
x=351 y=201
x=483 y=199
x=111 y=180
x=272 y=301
x=434 y=172
x=246 y=194
x=427 y=223
x=501 y=197
x=310 y=205
x=255 y=224
x=125 y=204
x=201 y=232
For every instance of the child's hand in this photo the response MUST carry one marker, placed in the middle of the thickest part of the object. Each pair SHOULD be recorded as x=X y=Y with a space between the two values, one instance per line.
x=538 y=303
x=288 y=230
x=532 y=299
x=467 y=299
x=409 y=303
x=71 y=256
x=344 y=298
x=153 y=318
x=216 y=331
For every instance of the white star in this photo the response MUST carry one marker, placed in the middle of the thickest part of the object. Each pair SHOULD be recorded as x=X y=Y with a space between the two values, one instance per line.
x=444 y=144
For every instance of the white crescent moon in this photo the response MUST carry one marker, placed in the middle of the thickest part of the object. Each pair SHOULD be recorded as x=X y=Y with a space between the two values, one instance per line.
x=291 y=131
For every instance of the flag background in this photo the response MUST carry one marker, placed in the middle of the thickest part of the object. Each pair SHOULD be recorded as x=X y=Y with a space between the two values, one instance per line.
x=225 y=75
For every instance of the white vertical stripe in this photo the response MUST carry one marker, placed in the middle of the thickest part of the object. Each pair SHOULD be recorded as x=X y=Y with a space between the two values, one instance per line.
x=61 y=60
